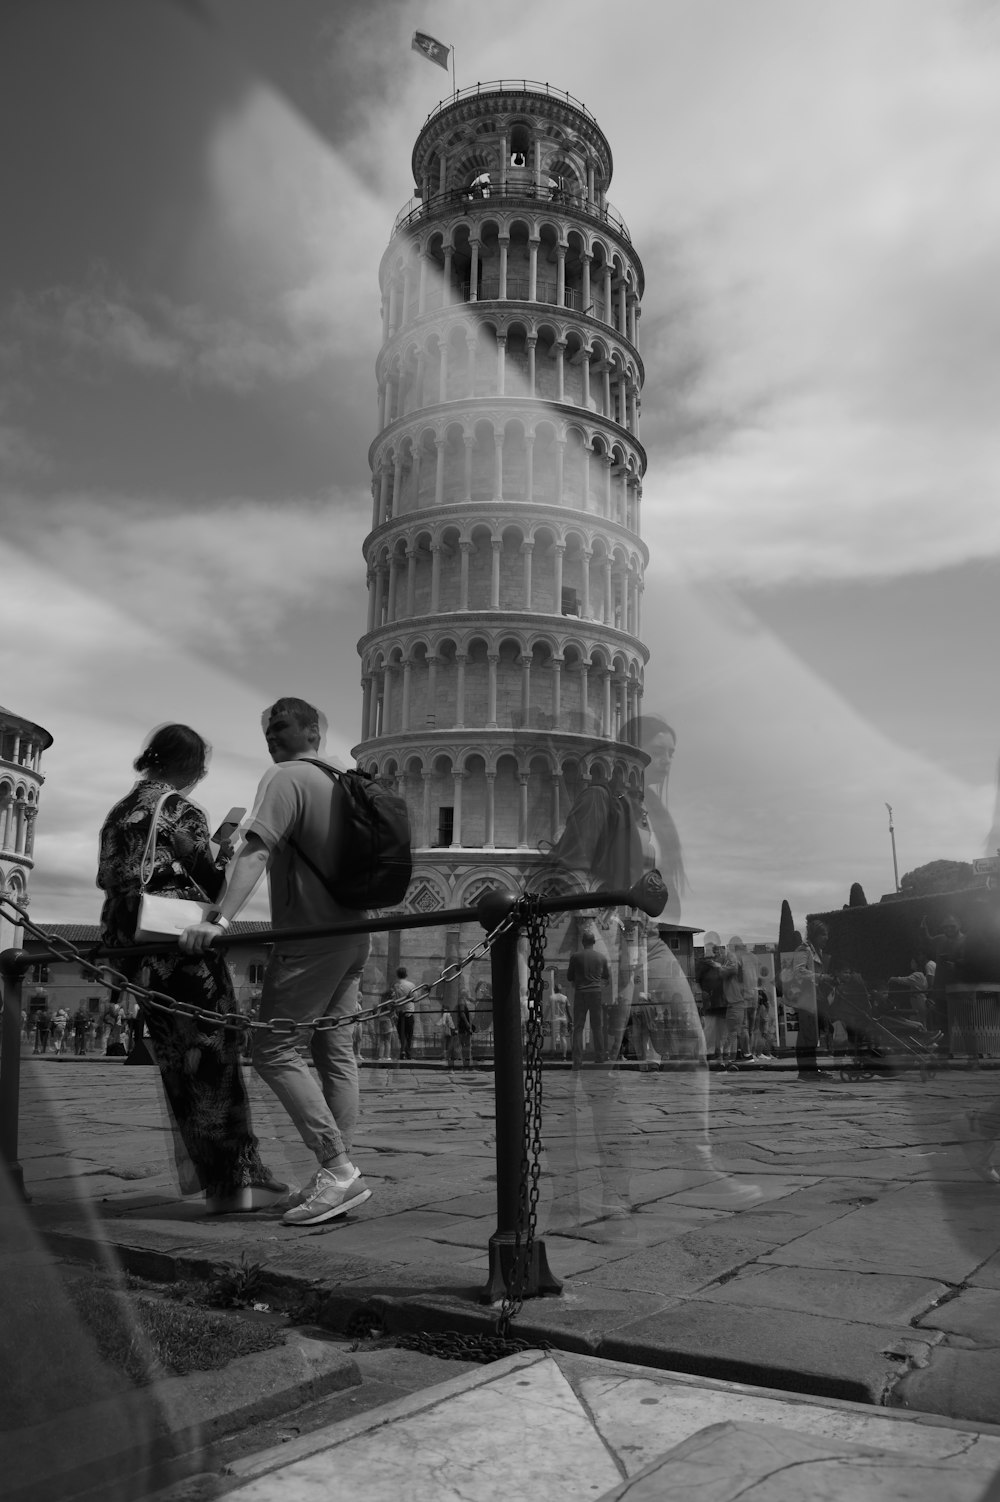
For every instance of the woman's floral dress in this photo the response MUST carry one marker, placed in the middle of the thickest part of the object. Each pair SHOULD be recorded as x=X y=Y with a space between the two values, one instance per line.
x=199 y=1065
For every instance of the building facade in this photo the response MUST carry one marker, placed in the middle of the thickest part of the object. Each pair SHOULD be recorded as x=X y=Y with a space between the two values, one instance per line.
x=67 y=984
x=502 y=665
x=22 y=744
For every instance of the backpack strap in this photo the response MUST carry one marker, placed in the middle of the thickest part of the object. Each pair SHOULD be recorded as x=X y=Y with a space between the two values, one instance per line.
x=334 y=777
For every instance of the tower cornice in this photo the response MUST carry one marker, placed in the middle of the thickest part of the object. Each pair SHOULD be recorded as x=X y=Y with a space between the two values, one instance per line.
x=501 y=409
x=502 y=513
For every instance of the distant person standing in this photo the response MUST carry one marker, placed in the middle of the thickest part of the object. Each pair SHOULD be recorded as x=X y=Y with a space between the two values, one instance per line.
x=589 y=976
x=43 y=1024
x=59 y=1022
x=466 y=1027
x=562 y=1019
x=710 y=974
x=449 y=1039
x=80 y=1024
x=406 y=1010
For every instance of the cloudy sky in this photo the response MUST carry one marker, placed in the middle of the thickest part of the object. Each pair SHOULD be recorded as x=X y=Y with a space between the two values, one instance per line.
x=197 y=195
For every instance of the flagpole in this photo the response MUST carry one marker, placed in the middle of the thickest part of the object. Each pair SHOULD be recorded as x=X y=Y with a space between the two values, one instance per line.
x=454 y=85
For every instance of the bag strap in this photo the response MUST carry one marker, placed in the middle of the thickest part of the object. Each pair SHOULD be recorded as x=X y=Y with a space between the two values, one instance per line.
x=149 y=854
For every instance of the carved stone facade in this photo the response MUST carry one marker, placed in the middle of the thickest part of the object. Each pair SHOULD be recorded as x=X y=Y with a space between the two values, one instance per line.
x=502 y=665
x=21 y=746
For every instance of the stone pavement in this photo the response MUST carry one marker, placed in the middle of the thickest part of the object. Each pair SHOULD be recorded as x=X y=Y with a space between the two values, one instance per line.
x=866 y=1266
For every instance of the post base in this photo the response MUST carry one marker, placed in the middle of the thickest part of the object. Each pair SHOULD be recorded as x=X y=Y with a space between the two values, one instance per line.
x=16 y=1173
x=538 y=1277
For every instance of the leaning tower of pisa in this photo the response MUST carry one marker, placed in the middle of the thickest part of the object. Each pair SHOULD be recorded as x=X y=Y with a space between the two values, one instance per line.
x=503 y=660
x=22 y=744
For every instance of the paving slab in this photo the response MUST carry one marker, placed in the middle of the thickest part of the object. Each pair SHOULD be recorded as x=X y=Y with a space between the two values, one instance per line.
x=729 y=1461
x=916 y=1230
x=589 y=1428
x=833 y=1357
x=974 y=1313
x=885 y=1298
x=959 y=1381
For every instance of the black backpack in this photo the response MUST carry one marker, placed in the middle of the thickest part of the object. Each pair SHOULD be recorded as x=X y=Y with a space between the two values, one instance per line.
x=373 y=866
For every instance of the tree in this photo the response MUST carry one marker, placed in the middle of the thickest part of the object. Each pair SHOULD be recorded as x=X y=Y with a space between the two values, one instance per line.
x=786 y=930
x=937 y=876
x=857 y=897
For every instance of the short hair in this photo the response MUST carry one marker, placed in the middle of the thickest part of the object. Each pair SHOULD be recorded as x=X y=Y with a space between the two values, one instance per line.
x=305 y=715
x=174 y=751
x=587 y=939
x=401 y=972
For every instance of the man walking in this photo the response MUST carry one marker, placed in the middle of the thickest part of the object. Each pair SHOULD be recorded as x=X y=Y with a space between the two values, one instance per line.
x=588 y=974
x=299 y=808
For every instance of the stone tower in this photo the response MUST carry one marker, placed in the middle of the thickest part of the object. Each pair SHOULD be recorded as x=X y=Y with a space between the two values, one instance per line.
x=21 y=746
x=502 y=660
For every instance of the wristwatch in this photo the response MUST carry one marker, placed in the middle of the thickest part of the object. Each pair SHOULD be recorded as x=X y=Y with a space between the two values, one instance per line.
x=216 y=917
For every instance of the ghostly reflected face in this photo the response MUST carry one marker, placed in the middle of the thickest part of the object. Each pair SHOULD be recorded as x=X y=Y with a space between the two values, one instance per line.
x=661 y=752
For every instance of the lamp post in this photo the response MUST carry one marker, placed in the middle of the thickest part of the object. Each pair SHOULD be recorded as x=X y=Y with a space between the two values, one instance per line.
x=892 y=836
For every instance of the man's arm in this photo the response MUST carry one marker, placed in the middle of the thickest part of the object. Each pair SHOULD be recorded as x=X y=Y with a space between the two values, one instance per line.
x=244 y=874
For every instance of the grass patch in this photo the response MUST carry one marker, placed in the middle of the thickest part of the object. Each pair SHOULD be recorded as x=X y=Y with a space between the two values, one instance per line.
x=146 y=1338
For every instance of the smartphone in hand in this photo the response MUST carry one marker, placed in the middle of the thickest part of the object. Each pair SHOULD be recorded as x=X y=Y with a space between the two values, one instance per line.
x=228 y=827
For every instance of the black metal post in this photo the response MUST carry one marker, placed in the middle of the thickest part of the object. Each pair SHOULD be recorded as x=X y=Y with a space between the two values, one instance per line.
x=508 y=1078
x=12 y=968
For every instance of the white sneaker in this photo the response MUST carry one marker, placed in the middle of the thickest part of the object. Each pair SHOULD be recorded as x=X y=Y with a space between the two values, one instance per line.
x=299 y=1196
x=327 y=1199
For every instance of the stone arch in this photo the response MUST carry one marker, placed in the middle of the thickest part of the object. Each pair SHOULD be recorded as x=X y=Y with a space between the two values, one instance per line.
x=544 y=466
x=509 y=651
x=444 y=701
x=512 y=460
x=507 y=801
x=480 y=566
x=474 y=799
x=483 y=467
x=441 y=801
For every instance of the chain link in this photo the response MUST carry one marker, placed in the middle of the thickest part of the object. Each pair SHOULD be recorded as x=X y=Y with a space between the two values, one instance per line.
x=115 y=980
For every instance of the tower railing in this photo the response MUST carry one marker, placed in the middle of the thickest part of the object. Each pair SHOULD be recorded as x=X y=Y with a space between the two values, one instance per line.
x=508 y=86
x=520 y=194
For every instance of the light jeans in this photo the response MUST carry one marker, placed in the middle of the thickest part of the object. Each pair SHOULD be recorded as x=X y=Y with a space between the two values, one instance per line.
x=302 y=981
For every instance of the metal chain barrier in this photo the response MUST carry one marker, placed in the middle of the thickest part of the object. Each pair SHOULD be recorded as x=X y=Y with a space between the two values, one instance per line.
x=450 y=1344
x=107 y=975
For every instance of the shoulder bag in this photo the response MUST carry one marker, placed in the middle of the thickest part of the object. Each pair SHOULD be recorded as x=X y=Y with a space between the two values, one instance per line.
x=162 y=916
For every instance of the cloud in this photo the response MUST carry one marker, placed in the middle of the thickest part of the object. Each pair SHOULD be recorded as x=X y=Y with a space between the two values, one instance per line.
x=779 y=785
x=822 y=338
x=101 y=672
x=293 y=225
x=106 y=324
x=227 y=574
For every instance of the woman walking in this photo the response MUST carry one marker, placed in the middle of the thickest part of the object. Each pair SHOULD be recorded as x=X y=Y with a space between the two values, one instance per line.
x=199 y=1064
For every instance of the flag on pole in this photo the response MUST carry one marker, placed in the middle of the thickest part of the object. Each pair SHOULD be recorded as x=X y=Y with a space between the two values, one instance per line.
x=432 y=49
